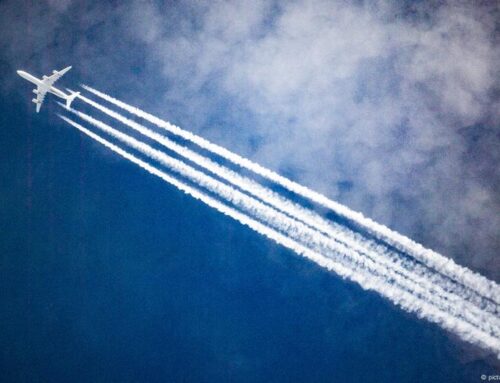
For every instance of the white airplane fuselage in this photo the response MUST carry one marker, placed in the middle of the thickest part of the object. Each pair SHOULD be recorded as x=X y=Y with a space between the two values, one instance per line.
x=40 y=84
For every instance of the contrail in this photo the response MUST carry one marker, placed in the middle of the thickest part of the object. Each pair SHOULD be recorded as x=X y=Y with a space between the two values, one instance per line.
x=299 y=232
x=434 y=283
x=451 y=303
x=402 y=298
x=475 y=281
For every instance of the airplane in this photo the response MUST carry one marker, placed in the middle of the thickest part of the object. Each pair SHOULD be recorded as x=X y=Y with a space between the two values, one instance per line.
x=46 y=85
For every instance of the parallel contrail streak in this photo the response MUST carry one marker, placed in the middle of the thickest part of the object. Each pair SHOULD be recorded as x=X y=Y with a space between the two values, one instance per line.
x=482 y=285
x=455 y=304
x=301 y=233
x=400 y=297
x=411 y=270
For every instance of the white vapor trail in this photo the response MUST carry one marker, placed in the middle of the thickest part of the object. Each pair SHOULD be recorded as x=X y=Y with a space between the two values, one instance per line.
x=464 y=276
x=414 y=273
x=448 y=302
x=403 y=298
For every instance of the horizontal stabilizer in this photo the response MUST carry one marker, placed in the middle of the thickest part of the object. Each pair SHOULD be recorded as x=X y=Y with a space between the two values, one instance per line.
x=70 y=98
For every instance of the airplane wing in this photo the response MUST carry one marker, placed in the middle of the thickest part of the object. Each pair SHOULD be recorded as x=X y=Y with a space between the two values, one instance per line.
x=48 y=81
x=40 y=96
x=46 y=84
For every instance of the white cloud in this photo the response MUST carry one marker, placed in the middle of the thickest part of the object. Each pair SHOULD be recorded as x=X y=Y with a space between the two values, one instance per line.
x=351 y=95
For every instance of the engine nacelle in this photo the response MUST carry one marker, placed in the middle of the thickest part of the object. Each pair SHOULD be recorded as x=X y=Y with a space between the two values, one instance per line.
x=45 y=77
x=35 y=91
x=35 y=101
x=54 y=71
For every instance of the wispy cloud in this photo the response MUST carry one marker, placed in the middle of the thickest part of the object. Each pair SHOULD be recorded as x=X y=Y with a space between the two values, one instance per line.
x=382 y=97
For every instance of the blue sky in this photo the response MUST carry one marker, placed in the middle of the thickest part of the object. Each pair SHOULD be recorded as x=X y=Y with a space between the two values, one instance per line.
x=108 y=274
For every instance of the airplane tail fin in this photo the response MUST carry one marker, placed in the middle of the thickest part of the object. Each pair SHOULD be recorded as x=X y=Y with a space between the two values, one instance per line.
x=70 y=98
